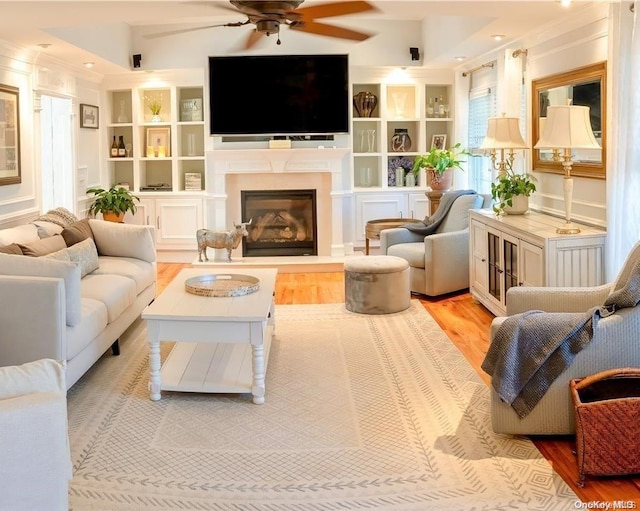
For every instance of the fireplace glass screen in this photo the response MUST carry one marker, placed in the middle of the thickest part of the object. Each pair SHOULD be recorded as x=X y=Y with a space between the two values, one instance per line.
x=283 y=223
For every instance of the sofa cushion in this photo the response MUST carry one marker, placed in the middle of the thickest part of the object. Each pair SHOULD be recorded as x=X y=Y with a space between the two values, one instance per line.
x=123 y=240
x=13 y=248
x=77 y=232
x=94 y=321
x=44 y=375
x=412 y=252
x=142 y=272
x=42 y=267
x=43 y=246
x=115 y=291
x=21 y=234
x=458 y=216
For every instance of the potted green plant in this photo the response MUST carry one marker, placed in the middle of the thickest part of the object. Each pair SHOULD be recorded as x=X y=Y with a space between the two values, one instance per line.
x=112 y=203
x=438 y=163
x=511 y=191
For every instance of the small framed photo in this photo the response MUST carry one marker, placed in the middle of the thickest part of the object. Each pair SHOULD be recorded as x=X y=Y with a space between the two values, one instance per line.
x=438 y=141
x=89 y=116
x=158 y=142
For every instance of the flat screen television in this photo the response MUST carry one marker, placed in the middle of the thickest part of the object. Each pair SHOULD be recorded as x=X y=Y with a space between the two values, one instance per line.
x=279 y=95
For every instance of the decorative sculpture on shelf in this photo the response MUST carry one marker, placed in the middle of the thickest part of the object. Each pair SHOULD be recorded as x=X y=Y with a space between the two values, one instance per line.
x=221 y=239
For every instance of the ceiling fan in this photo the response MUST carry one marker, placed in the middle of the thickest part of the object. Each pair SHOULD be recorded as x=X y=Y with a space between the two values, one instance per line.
x=268 y=16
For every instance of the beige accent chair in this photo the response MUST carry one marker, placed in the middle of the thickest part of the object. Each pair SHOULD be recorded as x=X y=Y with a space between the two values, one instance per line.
x=614 y=345
x=439 y=262
x=34 y=444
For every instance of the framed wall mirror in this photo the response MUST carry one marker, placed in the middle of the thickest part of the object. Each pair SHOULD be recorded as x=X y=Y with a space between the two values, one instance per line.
x=583 y=86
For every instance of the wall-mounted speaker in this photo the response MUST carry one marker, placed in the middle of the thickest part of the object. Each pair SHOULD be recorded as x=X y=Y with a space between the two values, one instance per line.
x=137 y=58
x=415 y=53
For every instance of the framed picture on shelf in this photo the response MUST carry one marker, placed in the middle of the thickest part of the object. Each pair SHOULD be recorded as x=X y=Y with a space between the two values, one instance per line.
x=158 y=142
x=9 y=135
x=89 y=116
x=438 y=141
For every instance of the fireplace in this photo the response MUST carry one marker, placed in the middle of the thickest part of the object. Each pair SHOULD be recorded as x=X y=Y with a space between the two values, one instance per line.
x=283 y=222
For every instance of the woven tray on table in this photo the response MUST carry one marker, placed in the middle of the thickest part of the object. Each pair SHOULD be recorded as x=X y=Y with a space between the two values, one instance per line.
x=607 y=411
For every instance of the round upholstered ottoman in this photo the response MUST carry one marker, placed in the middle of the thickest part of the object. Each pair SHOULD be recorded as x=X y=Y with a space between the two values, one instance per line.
x=376 y=284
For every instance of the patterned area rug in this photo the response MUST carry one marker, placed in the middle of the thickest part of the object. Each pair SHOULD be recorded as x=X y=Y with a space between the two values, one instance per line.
x=361 y=412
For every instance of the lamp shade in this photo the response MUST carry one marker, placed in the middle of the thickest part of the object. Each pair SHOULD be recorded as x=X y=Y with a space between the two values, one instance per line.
x=503 y=133
x=567 y=126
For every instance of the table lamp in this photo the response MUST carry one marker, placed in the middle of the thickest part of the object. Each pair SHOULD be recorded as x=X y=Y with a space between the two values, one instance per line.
x=503 y=133
x=567 y=127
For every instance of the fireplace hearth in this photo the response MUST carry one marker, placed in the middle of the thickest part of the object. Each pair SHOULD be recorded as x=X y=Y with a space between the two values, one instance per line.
x=283 y=222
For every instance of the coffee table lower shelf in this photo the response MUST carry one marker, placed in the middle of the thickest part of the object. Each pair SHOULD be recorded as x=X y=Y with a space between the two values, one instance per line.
x=211 y=367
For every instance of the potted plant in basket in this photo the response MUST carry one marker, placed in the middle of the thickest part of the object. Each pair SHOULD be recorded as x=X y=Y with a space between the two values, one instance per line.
x=438 y=164
x=112 y=203
x=511 y=192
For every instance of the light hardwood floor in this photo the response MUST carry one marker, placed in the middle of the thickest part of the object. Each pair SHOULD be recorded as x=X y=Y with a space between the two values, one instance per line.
x=467 y=325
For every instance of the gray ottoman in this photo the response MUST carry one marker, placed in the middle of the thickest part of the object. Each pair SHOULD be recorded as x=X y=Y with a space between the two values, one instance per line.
x=376 y=284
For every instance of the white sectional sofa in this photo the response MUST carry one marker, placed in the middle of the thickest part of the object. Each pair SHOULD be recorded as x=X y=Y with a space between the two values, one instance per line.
x=74 y=292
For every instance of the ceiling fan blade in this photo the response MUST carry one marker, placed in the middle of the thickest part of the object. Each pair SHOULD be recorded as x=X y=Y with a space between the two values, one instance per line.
x=252 y=39
x=337 y=9
x=312 y=27
x=193 y=29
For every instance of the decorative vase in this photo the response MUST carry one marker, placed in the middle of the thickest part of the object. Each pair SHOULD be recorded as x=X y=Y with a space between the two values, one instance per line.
x=520 y=205
x=400 y=141
x=156 y=118
x=122 y=117
x=365 y=103
x=399 y=176
x=410 y=180
x=440 y=182
x=422 y=178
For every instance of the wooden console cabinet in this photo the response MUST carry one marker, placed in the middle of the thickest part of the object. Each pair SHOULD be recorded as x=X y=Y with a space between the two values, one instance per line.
x=525 y=250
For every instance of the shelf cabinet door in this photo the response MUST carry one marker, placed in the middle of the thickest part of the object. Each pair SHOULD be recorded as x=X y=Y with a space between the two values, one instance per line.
x=531 y=265
x=177 y=222
x=376 y=206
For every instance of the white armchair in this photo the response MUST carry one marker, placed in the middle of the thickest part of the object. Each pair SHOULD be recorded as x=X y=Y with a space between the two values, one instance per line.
x=439 y=262
x=614 y=345
x=34 y=443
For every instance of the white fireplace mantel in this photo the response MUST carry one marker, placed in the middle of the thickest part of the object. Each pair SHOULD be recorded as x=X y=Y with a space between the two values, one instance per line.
x=220 y=163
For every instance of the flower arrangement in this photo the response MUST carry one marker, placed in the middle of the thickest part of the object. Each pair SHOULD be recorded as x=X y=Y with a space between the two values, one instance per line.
x=440 y=159
x=405 y=163
x=154 y=103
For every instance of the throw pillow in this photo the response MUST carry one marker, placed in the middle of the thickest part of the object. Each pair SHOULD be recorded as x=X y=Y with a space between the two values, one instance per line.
x=85 y=255
x=21 y=234
x=46 y=229
x=43 y=246
x=60 y=255
x=14 y=248
x=60 y=216
x=77 y=232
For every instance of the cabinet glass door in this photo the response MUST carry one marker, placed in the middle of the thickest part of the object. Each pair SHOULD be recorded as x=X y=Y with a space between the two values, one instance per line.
x=510 y=264
x=495 y=272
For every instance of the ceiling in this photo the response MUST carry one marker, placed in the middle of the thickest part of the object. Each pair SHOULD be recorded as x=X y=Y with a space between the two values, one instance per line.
x=73 y=28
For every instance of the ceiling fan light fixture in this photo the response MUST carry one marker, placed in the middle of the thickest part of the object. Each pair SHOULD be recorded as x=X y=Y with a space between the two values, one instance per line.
x=268 y=26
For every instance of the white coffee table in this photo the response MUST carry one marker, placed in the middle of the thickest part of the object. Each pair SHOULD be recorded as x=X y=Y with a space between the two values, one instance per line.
x=222 y=343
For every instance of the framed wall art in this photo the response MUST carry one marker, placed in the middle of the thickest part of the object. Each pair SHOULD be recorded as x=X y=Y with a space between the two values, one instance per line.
x=9 y=135
x=158 y=142
x=89 y=116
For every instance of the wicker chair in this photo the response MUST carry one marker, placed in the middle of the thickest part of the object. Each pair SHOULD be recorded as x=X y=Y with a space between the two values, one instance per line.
x=614 y=345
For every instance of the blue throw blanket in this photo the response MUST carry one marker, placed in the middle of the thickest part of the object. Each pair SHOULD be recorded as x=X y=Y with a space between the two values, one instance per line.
x=430 y=224
x=530 y=350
